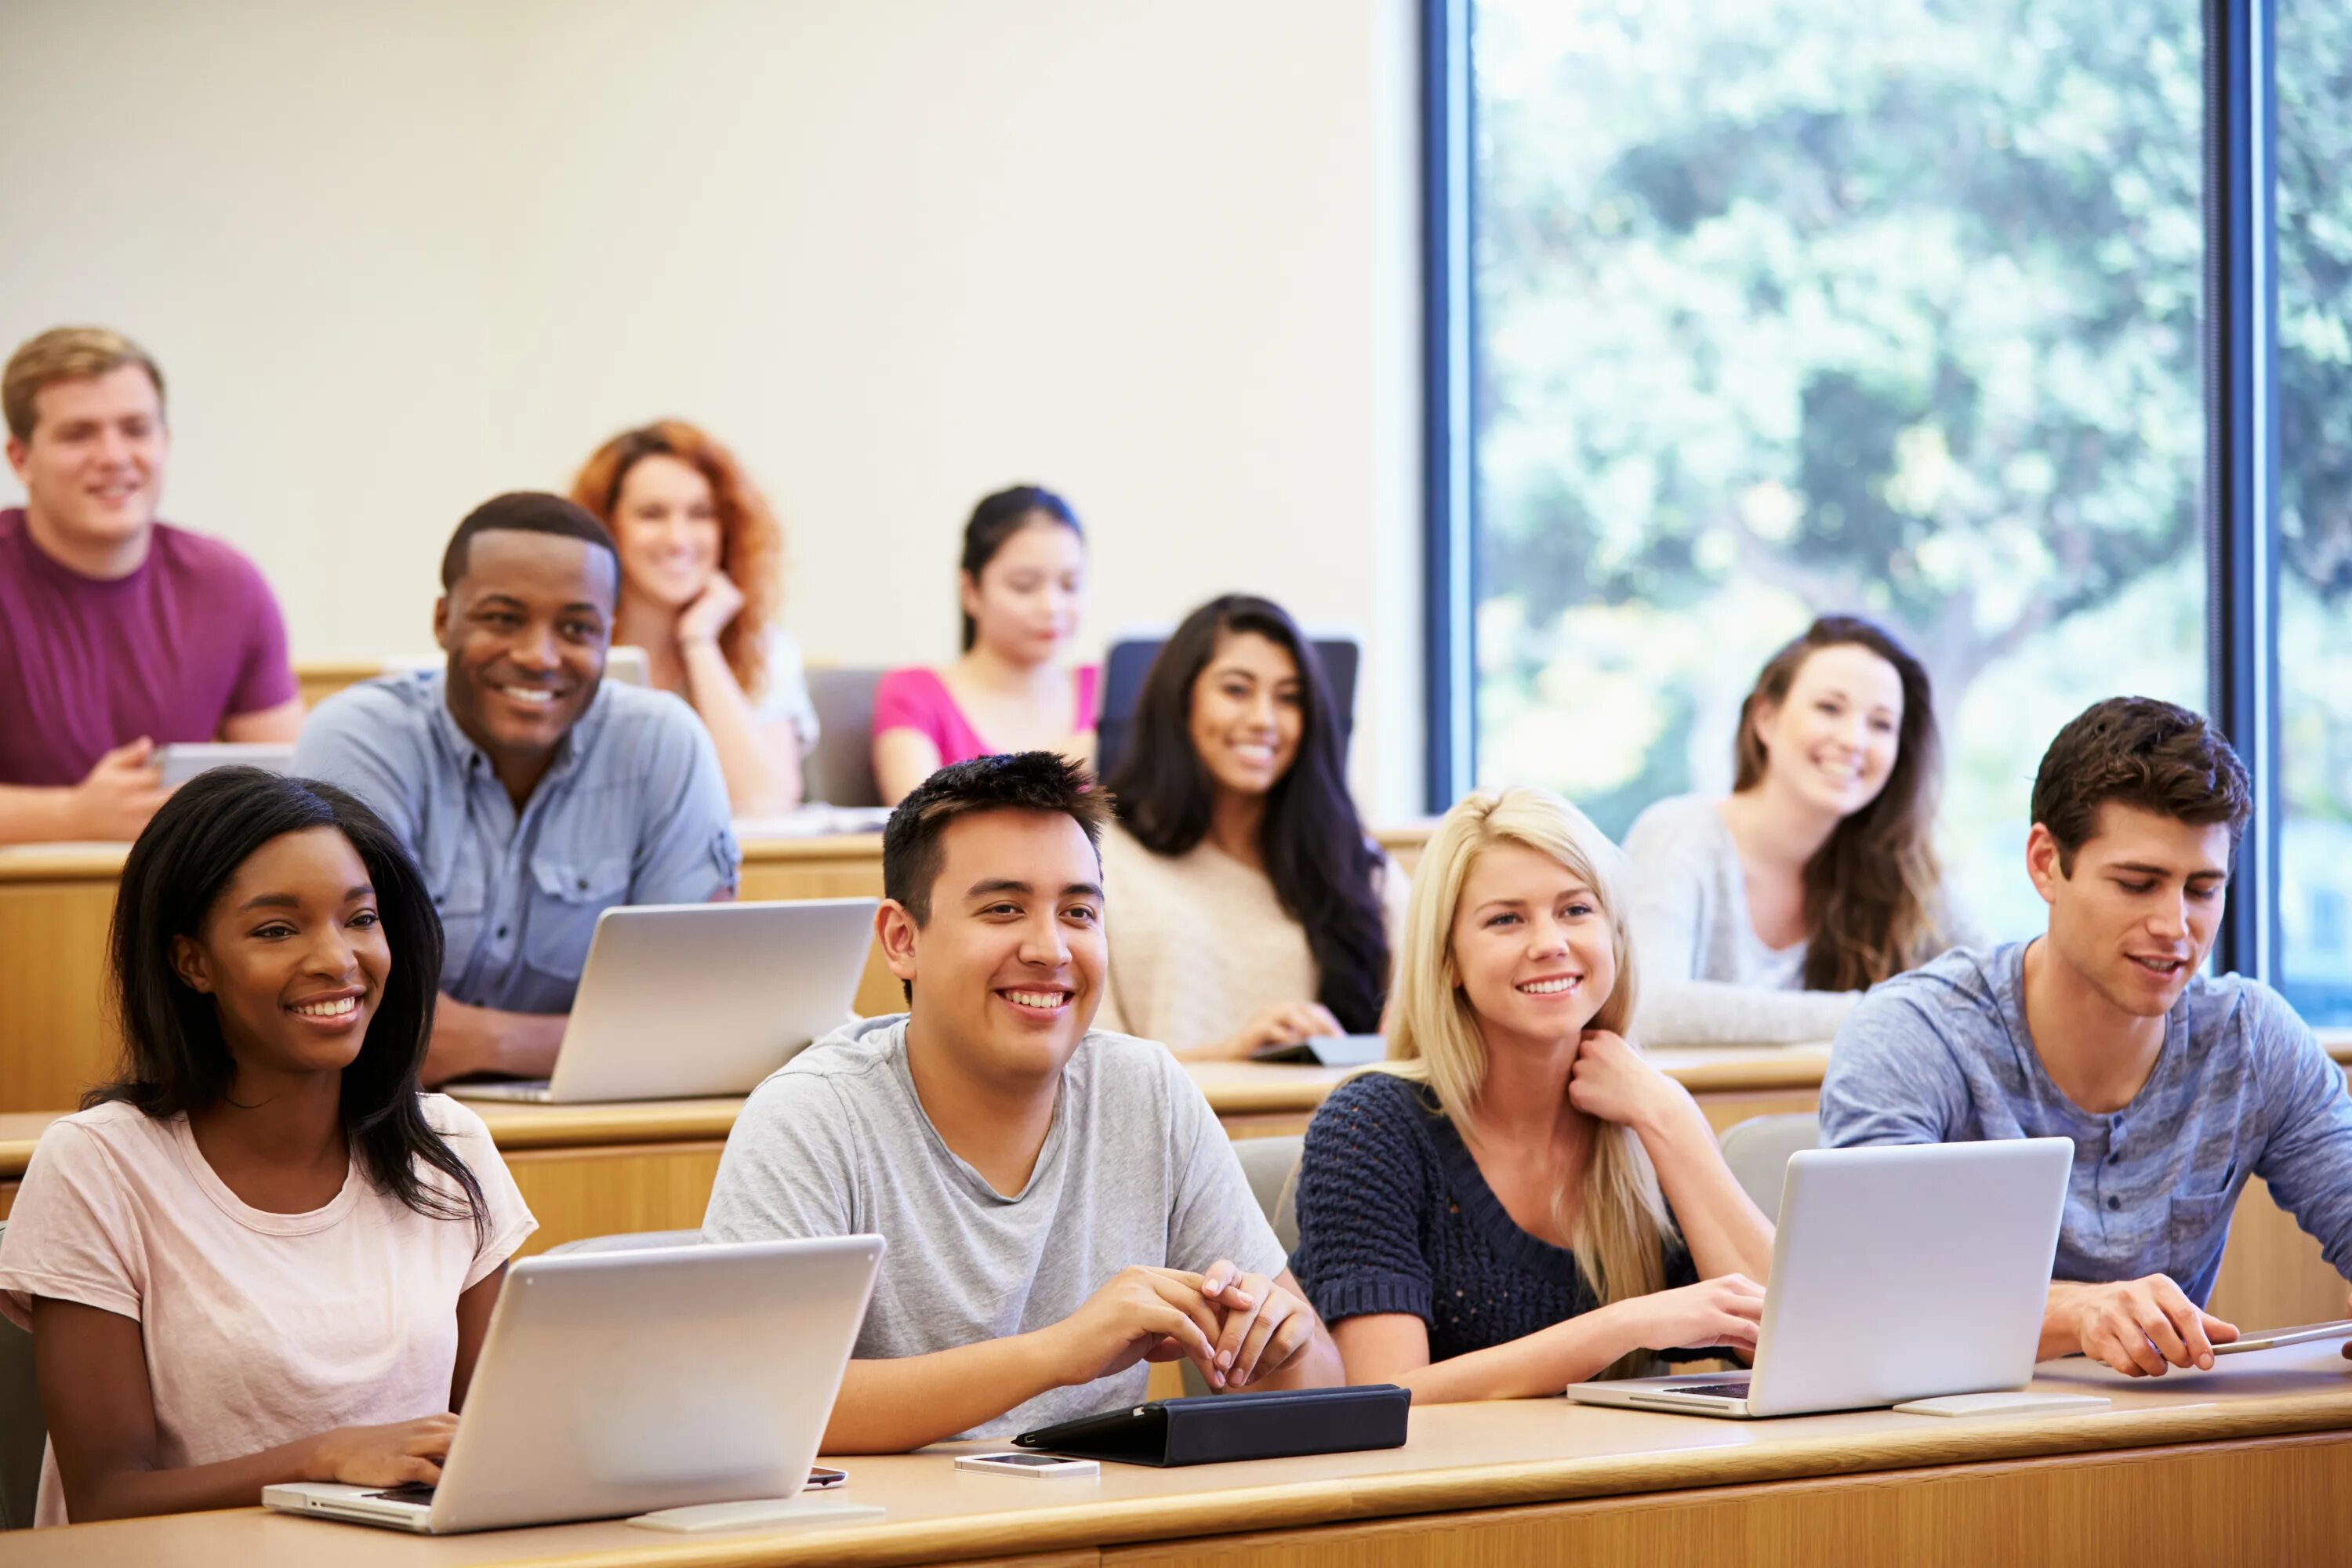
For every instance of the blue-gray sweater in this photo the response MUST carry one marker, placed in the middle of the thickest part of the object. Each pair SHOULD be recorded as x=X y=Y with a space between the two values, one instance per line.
x=2240 y=1088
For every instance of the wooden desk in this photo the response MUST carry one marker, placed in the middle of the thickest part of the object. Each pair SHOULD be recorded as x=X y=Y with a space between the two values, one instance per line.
x=599 y=1169
x=320 y=678
x=55 y=1037
x=596 y=1170
x=2250 y=1463
x=1732 y=1083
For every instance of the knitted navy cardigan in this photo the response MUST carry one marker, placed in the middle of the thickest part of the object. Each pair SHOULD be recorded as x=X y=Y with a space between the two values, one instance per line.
x=1394 y=1216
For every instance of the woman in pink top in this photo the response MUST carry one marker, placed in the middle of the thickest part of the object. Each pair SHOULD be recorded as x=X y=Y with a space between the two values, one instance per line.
x=262 y=1257
x=1024 y=587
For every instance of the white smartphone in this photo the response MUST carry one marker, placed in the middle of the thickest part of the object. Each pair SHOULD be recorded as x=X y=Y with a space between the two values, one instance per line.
x=1027 y=1465
x=2270 y=1338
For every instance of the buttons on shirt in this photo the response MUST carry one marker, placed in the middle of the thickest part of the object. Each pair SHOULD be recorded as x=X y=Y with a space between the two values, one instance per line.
x=502 y=932
x=2114 y=1203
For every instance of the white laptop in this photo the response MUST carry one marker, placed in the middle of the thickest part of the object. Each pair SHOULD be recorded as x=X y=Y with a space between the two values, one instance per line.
x=620 y=1383
x=183 y=759
x=687 y=999
x=1902 y=1273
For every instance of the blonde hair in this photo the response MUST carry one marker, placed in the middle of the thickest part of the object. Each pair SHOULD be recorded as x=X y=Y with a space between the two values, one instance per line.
x=65 y=354
x=1621 y=1225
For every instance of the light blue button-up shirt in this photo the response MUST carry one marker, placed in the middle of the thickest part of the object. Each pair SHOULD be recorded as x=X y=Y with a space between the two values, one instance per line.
x=2240 y=1088
x=633 y=811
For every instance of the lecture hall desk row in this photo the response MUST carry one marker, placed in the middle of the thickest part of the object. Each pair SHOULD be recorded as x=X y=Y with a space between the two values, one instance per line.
x=2251 y=1464
x=596 y=1170
x=56 y=900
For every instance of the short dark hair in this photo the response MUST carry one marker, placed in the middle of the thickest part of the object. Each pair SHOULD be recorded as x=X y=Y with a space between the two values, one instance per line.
x=175 y=1058
x=998 y=517
x=525 y=512
x=2138 y=752
x=1016 y=781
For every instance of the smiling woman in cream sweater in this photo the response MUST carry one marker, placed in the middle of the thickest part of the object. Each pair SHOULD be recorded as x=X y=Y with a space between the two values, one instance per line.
x=1252 y=909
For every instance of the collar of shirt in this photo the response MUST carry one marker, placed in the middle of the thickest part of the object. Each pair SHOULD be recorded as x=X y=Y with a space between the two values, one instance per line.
x=473 y=763
x=2153 y=1096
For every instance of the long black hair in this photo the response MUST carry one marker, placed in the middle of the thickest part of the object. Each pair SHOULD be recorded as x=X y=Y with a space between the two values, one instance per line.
x=1316 y=854
x=998 y=517
x=175 y=1059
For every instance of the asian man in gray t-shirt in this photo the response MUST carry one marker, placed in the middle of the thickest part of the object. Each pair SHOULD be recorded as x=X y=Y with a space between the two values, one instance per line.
x=1061 y=1205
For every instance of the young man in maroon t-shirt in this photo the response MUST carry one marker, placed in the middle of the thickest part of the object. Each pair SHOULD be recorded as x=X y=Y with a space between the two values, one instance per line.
x=117 y=633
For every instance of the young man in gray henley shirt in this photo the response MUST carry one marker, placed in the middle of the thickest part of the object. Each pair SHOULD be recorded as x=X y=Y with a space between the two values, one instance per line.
x=1060 y=1203
x=2174 y=1087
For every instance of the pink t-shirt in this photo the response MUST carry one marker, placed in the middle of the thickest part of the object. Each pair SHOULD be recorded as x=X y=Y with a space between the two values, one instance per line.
x=190 y=638
x=917 y=698
x=259 y=1328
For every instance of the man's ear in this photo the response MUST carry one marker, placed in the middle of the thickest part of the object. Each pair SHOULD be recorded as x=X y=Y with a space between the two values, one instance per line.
x=894 y=932
x=189 y=963
x=441 y=622
x=2043 y=863
x=18 y=452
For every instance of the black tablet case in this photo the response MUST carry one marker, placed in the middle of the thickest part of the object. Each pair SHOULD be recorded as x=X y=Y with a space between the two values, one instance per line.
x=1211 y=1429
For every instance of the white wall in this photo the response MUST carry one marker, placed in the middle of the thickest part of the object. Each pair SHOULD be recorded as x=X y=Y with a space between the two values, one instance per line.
x=1159 y=254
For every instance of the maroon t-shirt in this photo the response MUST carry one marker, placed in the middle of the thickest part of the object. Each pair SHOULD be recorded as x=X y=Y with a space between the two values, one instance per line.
x=190 y=638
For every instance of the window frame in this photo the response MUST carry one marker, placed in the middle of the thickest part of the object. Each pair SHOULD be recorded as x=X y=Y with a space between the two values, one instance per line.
x=2240 y=332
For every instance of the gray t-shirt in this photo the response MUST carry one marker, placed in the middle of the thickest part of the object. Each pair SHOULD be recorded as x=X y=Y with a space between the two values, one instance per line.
x=1135 y=1169
x=2240 y=1088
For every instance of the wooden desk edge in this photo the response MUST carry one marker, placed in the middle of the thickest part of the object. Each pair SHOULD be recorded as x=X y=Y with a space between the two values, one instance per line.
x=99 y=862
x=1770 y=1071
x=590 y=1126
x=1348 y=1500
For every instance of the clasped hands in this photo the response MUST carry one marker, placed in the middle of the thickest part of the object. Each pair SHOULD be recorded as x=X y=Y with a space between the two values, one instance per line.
x=1238 y=1328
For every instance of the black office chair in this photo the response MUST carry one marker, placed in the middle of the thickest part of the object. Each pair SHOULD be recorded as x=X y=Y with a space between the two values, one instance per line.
x=1129 y=661
x=840 y=771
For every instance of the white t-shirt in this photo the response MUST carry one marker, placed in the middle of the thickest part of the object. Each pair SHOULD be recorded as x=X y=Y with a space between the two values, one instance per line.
x=259 y=1328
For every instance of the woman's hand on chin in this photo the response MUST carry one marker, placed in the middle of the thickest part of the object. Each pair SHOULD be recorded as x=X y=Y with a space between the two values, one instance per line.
x=1614 y=1082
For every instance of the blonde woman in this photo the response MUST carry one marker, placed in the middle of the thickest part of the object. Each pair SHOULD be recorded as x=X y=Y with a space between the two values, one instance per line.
x=1517 y=1200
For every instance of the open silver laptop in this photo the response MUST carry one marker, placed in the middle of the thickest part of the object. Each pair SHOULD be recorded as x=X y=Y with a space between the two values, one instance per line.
x=686 y=999
x=1901 y=1273
x=618 y=1382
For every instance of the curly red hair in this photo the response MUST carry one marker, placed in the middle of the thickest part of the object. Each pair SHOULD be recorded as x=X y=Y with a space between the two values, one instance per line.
x=751 y=541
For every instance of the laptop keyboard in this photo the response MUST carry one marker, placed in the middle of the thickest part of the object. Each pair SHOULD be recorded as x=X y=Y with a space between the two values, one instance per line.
x=1711 y=1390
x=414 y=1491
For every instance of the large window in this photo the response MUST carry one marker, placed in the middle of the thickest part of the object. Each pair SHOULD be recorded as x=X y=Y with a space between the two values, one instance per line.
x=2315 y=525
x=1754 y=311
x=1805 y=305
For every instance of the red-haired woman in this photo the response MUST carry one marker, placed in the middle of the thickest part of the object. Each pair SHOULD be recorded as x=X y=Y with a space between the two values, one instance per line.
x=700 y=581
